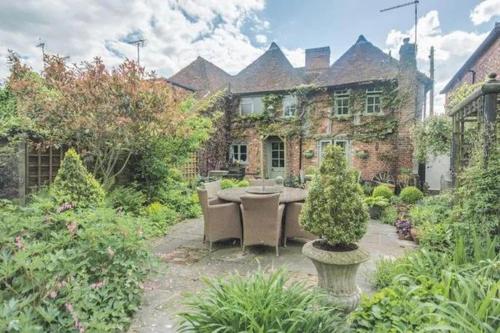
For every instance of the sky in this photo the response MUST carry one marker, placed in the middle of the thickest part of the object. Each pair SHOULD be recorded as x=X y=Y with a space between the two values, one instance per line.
x=233 y=33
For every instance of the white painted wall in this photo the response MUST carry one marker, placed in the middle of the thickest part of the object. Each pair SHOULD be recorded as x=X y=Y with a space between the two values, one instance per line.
x=437 y=173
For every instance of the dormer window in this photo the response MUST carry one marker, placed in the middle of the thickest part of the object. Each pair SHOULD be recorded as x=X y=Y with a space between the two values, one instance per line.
x=341 y=102
x=289 y=106
x=250 y=105
x=373 y=100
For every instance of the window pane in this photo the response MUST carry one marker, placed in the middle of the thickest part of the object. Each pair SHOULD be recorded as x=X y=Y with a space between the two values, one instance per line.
x=243 y=157
x=275 y=145
x=243 y=149
x=282 y=163
x=275 y=163
x=246 y=108
x=275 y=154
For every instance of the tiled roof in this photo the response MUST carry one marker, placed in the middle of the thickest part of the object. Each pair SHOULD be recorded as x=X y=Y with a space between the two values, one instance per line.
x=201 y=76
x=270 y=72
x=362 y=62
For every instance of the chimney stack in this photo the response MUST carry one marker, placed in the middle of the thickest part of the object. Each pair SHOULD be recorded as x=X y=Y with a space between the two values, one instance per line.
x=317 y=59
x=407 y=54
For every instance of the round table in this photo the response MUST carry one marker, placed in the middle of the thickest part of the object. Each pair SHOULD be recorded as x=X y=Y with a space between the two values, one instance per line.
x=289 y=194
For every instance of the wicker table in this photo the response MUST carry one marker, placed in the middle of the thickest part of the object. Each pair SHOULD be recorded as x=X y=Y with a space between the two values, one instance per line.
x=289 y=194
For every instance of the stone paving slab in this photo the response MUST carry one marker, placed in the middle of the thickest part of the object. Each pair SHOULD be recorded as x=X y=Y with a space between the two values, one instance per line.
x=185 y=262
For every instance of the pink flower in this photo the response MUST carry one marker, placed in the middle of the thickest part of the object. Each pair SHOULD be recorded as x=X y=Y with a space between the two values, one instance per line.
x=72 y=227
x=19 y=243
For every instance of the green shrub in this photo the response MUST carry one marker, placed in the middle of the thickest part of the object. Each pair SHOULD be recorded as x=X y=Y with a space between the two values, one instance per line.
x=259 y=303
x=367 y=188
x=159 y=219
x=436 y=237
x=71 y=271
x=126 y=198
x=380 y=202
x=334 y=207
x=175 y=194
x=383 y=191
x=411 y=195
x=477 y=204
x=389 y=215
x=74 y=184
x=230 y=183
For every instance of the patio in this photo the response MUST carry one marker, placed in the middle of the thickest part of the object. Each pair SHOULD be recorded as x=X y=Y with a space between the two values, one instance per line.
x=185 y=261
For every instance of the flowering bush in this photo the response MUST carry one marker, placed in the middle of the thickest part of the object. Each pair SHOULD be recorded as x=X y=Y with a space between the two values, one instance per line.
x=334 y=208
x=68 y=270
x=403 y=228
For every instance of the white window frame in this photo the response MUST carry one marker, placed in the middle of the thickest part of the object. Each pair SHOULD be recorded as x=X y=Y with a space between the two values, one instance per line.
x=289 y=101
x=250 y=102
x=343 y=95
x=332 y=141
x=231 y=152
x=373 y=93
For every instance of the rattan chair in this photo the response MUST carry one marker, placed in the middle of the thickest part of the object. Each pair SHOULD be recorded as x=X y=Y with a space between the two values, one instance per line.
x=262 y=215
x=221 y=219
x=293 y=229
x=258 y=182
x=212 y=189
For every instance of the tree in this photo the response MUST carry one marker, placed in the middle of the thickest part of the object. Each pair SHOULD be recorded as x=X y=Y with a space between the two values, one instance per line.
x=109 y=115
x=334 y=208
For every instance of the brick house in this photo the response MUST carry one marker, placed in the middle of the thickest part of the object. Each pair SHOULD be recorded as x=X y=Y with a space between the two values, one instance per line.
x=281 y=117
x=484 y=61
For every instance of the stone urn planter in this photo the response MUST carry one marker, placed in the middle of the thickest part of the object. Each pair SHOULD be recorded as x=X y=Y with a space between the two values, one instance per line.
x=337 y=272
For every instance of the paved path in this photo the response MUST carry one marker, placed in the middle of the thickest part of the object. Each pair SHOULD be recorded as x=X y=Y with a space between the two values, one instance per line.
x=185 y=261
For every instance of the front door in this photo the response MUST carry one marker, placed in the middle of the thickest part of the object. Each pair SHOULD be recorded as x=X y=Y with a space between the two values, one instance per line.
x=275 y=158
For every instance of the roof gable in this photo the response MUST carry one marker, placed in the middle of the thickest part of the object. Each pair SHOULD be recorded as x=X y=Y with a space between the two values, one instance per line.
x=360 y=63
x=201 y=76
x=482 y=48
x=270 y=72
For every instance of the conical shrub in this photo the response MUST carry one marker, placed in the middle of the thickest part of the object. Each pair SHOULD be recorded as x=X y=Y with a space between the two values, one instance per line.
x=334 y=209
x=74 y=184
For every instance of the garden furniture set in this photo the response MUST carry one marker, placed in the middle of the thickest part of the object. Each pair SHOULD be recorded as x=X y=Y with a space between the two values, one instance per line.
x=255 y=219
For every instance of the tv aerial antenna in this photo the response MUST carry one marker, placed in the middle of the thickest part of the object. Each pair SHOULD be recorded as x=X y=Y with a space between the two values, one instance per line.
x=415 y=3
x=41 y=45
x=139 y=43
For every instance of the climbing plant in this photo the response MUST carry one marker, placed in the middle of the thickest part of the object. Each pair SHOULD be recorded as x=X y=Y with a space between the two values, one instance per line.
x=432 y=136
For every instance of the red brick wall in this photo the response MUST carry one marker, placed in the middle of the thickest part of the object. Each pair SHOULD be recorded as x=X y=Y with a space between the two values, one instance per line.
x=489 y=62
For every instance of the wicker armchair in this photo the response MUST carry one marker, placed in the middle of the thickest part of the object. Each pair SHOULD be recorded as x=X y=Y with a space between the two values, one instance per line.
x=212 y=189
x=221 y=220
x=262 y=215
x=293 y=229
x=258 y=182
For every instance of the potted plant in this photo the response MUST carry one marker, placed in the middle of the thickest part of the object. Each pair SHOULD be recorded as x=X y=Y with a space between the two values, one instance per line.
x=335 y=211
x=376 y=205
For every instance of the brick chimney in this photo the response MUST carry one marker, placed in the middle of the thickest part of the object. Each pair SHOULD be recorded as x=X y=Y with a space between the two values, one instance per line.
x=317 y=59
x=407 y=54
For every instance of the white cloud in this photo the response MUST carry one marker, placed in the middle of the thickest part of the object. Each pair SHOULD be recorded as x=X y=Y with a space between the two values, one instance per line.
x=485 y=11
x=297 y=57
x=451 y=49
x=175 y=31
x=261 y=39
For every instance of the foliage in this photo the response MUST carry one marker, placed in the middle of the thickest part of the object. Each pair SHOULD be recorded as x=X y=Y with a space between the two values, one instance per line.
x=389 y=215
x=230 y=183
x=459 y=94
x=74 y=184
x=382 y=191
x=69 y=271
x=376 y=202
x=432 y=137
x=127 y=199
x=109 y=114
x=334 y=207
x=436 y=237
x=175 y=194
x=411 y=195
x=367 y=188
x=159 y=219
x=431 y=209
x=9 y=123
x=446 y=291
x=403 y=228
x=476 y=197
x=259 y=303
